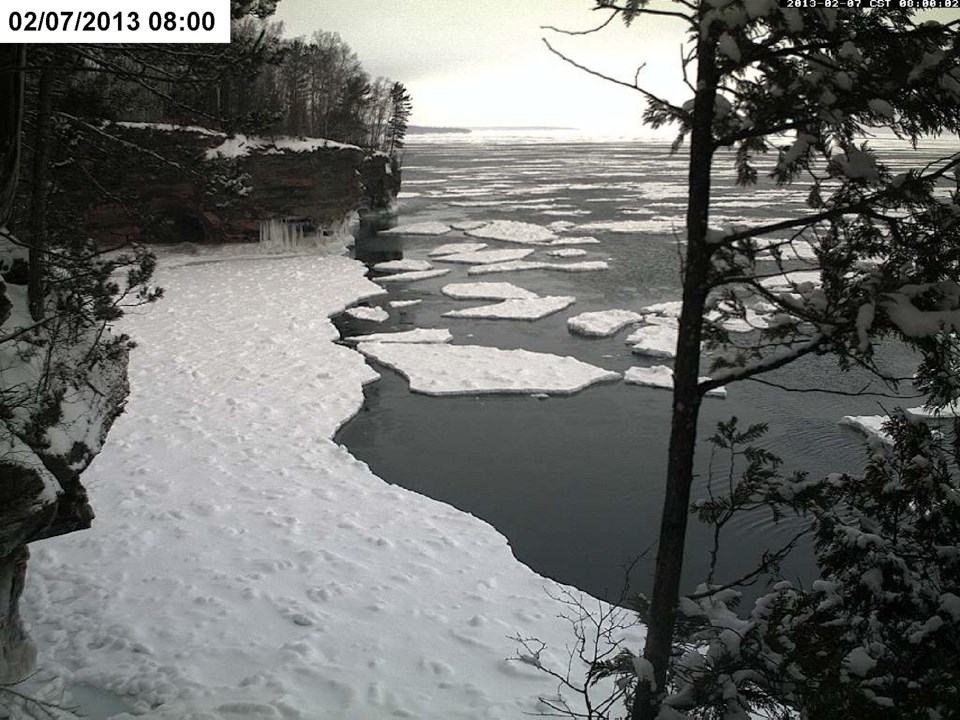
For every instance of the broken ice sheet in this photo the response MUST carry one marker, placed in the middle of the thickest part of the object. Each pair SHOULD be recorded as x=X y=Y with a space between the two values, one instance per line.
x=471 y=369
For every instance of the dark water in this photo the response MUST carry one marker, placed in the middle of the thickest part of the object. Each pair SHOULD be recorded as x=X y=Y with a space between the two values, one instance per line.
x=575 y=483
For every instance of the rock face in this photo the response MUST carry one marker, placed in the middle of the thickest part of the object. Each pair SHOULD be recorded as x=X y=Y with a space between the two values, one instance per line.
x=57 y=412
x=315 y=186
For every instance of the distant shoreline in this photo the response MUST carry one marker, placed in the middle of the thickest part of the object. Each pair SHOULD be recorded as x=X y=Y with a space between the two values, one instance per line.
x=435 y=129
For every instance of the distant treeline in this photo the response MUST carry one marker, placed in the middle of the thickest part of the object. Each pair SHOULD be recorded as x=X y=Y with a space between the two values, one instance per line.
x=316 y=88
x=427 y=129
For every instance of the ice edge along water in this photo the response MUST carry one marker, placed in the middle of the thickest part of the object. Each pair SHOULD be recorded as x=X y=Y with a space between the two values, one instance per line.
x=243 y=565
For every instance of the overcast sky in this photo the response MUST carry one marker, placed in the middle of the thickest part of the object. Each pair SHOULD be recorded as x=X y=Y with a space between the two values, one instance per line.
x=482 y=62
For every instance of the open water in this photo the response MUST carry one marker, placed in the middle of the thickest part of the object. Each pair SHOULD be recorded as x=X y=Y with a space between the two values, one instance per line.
x=575 y=483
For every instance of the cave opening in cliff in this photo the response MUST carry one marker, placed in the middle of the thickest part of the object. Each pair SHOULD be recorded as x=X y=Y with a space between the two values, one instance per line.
x=182 y=226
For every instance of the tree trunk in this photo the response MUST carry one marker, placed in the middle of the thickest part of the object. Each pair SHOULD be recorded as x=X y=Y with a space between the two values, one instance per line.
x=12 y=60
x=686 y=398
x=38 y=198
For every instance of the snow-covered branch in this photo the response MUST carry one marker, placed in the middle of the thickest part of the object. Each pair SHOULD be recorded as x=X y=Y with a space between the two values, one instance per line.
x=733 y=374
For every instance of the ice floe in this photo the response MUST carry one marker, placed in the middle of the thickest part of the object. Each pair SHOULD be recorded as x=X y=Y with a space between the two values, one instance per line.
x=671 y=308
x=869 y=425
x=561 y=225
x=515 y=232
x=602 y=323
x=655 y=341
x=949 y=411
x=516 y=309
x=404 y=303
x=521 y=265
x=405 y=265
x=791 y=279
x=469 y=224
x=649 y=225
x=752 y=321
x=567 y=252
x=487 y=257
x=370 y=314
x=486 y=291
x=661 y=376
x=582 y=240
x=471 y=369
x=420 y=228
x=418 y=336
x=413 y=276
x=457 y=247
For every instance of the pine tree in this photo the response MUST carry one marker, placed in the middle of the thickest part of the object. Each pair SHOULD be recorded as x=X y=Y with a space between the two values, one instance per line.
x=400 y=108
x=804 y=87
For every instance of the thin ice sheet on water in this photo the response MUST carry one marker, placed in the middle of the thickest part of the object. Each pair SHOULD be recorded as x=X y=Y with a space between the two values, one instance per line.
x=404 y=265
x=427 y=336
x=516 y=309
x=522 y=265
x=487 y=257
x=370 y=314
x=486 y=291
x=456 y=247
x=471 y=369
x=420 y=228
x=413 y=276
x=602 y=323
x=515 y=232
x=661 y=376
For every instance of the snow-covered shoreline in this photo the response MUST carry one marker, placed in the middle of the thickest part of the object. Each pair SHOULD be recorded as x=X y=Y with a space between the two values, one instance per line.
x=243 y=565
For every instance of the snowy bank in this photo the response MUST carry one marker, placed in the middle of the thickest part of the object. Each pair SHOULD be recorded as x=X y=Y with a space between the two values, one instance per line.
x=243 y=565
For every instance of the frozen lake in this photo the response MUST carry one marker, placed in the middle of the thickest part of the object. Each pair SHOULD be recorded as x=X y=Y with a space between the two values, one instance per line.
x=575 y=483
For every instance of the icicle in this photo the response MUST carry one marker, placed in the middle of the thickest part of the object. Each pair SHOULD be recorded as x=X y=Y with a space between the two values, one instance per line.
x=287 y=235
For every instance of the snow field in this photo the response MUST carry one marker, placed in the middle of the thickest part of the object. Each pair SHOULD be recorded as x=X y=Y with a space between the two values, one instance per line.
x=244 y=566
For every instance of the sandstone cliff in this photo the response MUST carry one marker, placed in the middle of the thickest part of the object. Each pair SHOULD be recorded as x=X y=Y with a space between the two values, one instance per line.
x=224 y=189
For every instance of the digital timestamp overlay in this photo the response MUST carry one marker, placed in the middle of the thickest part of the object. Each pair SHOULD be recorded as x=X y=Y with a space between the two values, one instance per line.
x=115 y=21
x=873 y=4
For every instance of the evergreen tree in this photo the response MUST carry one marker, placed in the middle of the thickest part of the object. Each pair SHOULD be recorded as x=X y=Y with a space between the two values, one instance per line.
x=400 y=108
x=804 y=87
